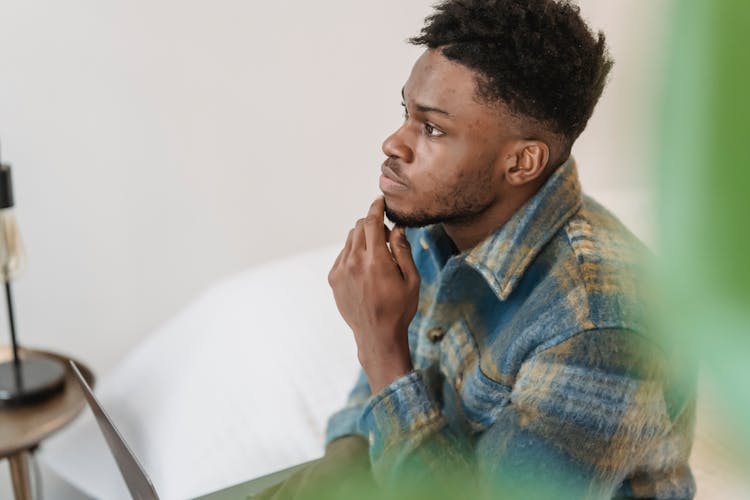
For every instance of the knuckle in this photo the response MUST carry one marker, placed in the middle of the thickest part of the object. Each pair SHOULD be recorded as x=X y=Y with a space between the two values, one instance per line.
x=371 y=219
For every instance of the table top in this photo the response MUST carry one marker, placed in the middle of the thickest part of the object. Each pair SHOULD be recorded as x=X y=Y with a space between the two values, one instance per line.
x=23 y=427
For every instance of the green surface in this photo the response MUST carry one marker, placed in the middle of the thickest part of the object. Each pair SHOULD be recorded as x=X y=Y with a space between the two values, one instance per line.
x=250 y=488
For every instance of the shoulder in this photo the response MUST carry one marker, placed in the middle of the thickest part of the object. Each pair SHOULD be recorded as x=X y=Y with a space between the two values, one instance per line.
x=611 y=266
x=596 y=269
x=589 y=276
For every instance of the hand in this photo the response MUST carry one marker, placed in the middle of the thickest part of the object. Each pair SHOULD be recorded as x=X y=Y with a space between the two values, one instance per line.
x=377 y=292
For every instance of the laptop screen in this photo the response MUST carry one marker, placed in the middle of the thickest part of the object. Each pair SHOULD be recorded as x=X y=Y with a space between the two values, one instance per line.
x=135 y=477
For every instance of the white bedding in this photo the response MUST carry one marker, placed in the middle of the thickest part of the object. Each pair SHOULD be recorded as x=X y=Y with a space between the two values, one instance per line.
x=238 y=385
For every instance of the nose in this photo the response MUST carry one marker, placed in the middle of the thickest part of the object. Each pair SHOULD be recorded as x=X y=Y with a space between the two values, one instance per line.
x=396 y=146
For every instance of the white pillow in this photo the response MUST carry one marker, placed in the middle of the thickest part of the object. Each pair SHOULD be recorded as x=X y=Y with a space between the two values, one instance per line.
x=238 y=385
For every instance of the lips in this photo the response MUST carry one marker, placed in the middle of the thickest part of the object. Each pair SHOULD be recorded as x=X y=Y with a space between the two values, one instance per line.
x=389 y=174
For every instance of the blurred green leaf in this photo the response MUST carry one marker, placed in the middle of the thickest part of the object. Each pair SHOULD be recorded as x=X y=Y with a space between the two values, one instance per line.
x=704 y=195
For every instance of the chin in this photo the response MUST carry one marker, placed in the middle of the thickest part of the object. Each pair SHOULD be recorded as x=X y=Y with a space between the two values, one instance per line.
x=409 y=218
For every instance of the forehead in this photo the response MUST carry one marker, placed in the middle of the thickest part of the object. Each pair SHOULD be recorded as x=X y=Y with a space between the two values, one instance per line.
x=439 y=82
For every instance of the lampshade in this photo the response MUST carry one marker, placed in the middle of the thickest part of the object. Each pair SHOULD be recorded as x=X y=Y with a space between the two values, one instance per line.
x=23 y=380
x=12 y=255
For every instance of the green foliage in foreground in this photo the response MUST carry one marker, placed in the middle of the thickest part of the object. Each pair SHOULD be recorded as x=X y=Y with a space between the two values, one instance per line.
x=704 y=199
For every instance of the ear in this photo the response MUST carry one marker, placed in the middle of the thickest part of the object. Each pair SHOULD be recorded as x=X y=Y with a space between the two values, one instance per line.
x=531 y=158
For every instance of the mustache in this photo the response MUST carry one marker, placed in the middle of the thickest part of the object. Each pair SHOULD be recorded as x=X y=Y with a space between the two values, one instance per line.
x=392 y=163
x=394 y=166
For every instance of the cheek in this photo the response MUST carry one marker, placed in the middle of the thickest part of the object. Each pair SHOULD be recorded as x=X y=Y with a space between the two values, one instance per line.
x=440 y=164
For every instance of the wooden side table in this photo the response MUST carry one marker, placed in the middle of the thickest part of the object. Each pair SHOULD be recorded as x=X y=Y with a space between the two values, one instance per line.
x=23 y=428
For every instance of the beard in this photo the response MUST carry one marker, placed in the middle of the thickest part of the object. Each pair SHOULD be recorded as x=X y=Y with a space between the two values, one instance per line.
x=460 y=204
x=420 y=218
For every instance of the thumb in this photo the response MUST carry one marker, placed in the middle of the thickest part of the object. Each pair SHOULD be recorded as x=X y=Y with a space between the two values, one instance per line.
x=401 y=250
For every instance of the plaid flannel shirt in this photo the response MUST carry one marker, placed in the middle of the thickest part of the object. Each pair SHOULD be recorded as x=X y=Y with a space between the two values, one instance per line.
x=533 y=363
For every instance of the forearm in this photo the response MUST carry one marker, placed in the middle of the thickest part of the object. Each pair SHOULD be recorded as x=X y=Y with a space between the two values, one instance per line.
x=382 y=369
x=409 y=436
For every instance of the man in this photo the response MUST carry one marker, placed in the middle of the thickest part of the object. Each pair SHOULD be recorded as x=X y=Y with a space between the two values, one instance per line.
x=500 y=324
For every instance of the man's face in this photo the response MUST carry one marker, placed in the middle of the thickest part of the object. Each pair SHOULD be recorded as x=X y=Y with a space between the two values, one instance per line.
x=442 y=163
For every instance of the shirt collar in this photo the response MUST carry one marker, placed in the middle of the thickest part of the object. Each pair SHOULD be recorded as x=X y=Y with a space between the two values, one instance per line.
x=504 y=256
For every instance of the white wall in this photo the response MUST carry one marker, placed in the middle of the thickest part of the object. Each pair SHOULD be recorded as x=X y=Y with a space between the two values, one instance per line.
x=159 y=145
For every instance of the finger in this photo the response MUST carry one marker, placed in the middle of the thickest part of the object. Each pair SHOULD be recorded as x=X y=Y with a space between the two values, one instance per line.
x=401 y=251
x=374 y=235
x=347 y=246
x=358 y=237
x=340 y=257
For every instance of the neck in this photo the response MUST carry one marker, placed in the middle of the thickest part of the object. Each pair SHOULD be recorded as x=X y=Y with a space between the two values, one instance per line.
x=468 y=234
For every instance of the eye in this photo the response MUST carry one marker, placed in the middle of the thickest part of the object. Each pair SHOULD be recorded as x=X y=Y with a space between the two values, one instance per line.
x=431 y=131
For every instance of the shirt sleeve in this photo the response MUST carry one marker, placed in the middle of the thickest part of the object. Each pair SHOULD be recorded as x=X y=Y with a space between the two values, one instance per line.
x=345 y=422
x=581 y=415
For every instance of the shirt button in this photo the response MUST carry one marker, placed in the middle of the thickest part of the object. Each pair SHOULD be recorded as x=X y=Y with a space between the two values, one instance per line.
x=371 y=438
x=436 y=334
x=459 y=379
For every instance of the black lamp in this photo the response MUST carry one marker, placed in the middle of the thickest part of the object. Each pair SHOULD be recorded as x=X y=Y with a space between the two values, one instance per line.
x=24 y=379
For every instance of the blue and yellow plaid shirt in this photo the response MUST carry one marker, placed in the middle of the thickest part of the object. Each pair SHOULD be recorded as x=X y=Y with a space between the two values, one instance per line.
x=533 y=362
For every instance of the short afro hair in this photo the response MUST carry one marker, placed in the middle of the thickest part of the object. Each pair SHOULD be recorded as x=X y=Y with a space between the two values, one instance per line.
x=538 y=57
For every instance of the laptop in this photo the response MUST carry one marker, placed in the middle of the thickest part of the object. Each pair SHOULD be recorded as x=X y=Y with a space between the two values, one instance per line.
x=136 y=479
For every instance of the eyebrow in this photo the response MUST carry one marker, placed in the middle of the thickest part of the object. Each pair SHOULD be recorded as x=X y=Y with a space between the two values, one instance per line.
x=426 y=109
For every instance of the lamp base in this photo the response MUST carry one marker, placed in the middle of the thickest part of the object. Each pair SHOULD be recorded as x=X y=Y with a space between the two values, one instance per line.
x=31 y=380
